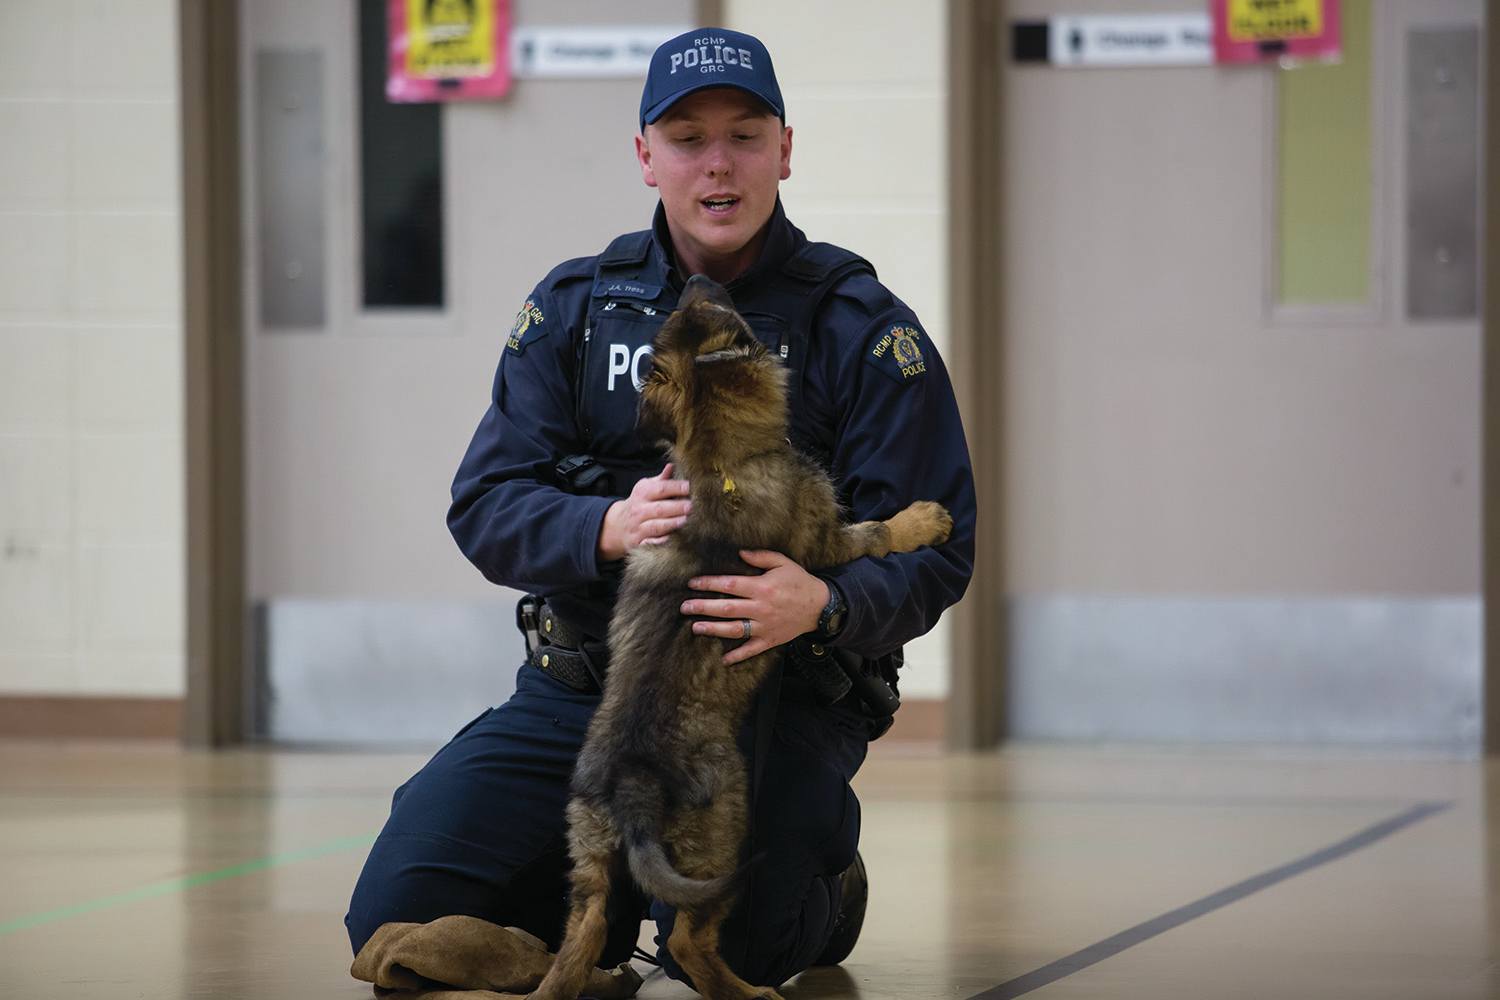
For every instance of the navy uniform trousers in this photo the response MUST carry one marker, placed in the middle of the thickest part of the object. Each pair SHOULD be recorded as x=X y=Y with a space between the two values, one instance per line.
x=480 y=830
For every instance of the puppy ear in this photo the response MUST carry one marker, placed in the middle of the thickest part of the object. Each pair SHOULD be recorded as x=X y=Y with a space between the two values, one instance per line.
x=700 y=288
x=744 y=349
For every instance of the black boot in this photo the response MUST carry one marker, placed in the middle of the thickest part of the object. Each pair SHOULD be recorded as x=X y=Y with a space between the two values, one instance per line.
x=854 y=895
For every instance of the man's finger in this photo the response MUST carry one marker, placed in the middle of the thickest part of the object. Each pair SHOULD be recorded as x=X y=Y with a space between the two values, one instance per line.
x=737 y=585
x=745 y=651
x=660 y=509
x=730 y=609
x=658 y=526
x=763 y=558
x=659 y=489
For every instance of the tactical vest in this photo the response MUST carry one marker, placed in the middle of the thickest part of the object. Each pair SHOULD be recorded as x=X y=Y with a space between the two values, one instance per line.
x=629 y=302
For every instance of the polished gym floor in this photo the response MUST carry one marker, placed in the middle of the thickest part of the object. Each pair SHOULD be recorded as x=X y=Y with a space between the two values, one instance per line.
x=145 y=871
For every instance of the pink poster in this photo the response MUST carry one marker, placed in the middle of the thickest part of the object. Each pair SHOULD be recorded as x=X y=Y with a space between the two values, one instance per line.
x=448 y=50
x=1260 y=31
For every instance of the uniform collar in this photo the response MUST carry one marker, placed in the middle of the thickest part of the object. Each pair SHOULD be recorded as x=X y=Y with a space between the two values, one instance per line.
x=781 y=242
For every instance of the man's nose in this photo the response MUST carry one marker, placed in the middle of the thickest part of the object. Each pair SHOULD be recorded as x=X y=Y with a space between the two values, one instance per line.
x=718 y=160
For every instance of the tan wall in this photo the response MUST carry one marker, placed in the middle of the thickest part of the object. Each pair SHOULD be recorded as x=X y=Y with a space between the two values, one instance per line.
x=91 y=473
x=354 y=432
x=865 y=95
x=1165 y=433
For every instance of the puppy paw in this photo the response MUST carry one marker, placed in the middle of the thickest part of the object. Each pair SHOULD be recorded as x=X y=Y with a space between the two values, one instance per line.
x=923 y=523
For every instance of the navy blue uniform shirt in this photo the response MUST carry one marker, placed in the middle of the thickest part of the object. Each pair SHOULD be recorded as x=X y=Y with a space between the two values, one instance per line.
x=876 y=406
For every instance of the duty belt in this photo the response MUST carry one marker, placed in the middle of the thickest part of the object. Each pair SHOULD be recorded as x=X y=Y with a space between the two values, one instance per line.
x=560 y=651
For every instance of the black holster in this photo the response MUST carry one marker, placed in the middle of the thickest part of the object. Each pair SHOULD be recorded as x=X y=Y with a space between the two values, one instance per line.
x=834 y=673
x=586 y=476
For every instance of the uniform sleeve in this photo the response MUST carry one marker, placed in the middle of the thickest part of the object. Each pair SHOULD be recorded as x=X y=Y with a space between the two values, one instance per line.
x=899 y=439
x=510 y=515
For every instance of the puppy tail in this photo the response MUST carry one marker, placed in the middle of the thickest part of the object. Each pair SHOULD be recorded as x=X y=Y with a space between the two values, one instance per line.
x=654 y=873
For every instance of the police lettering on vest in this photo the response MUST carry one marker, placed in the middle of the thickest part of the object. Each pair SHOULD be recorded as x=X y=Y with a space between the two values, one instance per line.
x=710 y=55
x=621 y=360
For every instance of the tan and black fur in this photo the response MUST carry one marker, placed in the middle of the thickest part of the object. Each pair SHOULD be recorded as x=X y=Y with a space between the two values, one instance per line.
x=660 y=787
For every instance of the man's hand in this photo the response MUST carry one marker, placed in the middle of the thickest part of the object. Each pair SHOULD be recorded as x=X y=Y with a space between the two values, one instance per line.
x=780 y=604
x=655 y=508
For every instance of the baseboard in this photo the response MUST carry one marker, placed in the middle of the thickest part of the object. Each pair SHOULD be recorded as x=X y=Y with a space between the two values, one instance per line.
x=1369 y=670
x=89 y=718
x=922 y=720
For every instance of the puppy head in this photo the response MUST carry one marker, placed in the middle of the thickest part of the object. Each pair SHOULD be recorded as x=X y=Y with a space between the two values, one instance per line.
x=711 y=381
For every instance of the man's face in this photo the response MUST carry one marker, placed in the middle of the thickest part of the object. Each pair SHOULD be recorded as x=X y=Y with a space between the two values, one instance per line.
x=717 y=158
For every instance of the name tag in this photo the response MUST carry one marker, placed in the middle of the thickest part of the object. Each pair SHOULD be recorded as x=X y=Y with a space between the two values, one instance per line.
x=606 y=288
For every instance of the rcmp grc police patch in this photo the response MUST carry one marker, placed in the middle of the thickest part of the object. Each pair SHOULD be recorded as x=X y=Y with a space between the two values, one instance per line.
x=898 y=353
x=528 y=316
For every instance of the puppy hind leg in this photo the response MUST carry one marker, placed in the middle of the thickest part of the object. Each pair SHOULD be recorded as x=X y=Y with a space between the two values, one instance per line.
x=587 y=929
x=697 y=935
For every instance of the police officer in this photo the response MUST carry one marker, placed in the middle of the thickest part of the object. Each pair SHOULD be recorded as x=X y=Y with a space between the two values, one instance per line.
x=556 y=487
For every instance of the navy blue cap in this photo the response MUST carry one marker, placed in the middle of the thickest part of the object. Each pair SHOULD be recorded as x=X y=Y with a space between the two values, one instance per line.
x=708 y=57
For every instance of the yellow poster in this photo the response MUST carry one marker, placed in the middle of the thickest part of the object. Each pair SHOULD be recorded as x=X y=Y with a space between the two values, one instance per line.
x=450 y=39
x=1274 y=20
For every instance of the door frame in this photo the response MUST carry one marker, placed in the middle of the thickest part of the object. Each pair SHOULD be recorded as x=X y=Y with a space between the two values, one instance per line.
x=977 y=696
x=1490 y=392
x=213 y=367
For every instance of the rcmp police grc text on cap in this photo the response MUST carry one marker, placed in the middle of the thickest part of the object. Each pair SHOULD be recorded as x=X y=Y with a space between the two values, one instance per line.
x=708 y=57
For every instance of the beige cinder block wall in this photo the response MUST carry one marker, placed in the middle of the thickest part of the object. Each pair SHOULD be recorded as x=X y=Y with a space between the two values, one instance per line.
x=91 y=469
x=869 y=170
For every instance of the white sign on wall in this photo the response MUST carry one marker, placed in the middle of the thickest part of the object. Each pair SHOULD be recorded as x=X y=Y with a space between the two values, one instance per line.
x=1185 y=39
x=560 y=51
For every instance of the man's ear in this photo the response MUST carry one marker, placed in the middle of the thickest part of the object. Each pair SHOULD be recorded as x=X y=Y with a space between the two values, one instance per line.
x=786 y=152
x=643 y=156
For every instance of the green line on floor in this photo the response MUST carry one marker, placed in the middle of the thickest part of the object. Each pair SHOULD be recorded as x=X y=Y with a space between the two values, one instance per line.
x=171 y=885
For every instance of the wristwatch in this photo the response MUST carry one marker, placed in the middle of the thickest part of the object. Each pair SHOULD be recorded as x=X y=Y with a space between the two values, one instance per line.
x=835 y=612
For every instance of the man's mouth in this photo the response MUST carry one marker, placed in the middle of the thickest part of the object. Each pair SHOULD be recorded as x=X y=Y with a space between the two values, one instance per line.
x=720 y=204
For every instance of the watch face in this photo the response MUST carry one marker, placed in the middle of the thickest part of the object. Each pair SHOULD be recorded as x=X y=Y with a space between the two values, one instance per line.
x=832 y=618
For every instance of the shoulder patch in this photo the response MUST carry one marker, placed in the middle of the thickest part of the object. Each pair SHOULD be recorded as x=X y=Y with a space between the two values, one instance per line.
x=898 y=350
x=528 y=321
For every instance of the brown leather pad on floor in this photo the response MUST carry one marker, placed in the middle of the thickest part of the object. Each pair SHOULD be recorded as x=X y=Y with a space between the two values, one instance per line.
x=465 y=958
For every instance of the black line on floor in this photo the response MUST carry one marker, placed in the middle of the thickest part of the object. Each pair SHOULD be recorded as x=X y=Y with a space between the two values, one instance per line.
x=1112 y=946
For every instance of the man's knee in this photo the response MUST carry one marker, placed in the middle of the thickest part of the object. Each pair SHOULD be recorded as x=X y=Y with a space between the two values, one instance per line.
x=416 y=879
x=383 y=894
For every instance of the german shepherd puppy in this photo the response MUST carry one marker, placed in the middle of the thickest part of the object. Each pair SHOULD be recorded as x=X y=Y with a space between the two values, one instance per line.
x=660 y=787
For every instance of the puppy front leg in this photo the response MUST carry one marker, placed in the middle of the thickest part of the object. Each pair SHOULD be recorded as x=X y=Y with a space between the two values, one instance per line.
x=922 y=523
